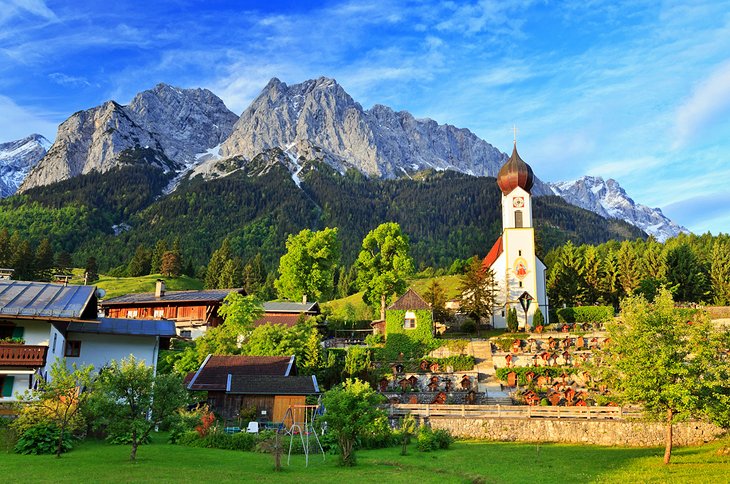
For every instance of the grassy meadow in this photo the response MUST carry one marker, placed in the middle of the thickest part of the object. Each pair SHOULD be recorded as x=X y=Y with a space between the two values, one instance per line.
x=466 y=461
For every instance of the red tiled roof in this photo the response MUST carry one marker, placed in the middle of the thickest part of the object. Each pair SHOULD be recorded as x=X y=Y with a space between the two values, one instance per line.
x=493 y=254
x=213 y=373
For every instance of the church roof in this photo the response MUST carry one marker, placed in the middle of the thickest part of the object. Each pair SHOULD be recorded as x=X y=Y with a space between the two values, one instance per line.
x=410 y=301
x=515 y=173
x=493 y=254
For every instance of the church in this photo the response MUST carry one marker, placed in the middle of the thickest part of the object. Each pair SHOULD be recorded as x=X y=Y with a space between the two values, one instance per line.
x=518 y=273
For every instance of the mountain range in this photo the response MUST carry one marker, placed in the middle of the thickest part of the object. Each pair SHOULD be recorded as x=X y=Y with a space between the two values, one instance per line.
x=190 y=132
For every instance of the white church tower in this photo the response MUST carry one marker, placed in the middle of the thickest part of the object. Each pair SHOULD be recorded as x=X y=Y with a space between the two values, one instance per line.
x=519 y=274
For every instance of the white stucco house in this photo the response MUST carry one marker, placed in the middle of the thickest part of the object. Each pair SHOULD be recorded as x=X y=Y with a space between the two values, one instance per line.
x=41 y=323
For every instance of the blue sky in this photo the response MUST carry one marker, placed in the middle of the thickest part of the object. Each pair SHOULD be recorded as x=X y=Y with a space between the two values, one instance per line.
x=638 y=91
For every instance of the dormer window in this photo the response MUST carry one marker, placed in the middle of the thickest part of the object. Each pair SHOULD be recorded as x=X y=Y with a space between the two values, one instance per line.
x=409 y=322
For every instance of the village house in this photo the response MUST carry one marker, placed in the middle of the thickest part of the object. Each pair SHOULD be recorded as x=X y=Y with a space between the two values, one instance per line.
x=268 y=384
x=41 y=323
x=409 y=316
x=287 y=313
x=192 y=311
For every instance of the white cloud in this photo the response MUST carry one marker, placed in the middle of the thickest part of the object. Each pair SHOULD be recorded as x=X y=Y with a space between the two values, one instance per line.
x=17 y=122
x=66 y=80
x=12 y=8
x=710 y=100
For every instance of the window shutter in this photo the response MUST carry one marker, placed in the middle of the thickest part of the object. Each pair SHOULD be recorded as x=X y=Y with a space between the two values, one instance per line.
x=18 y=332
x=8 y=386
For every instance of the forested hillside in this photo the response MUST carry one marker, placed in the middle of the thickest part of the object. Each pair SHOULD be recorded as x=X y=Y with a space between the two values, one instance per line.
x=447 y=215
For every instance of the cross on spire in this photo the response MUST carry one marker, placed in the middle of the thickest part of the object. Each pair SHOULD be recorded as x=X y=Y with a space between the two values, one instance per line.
x=514 y=130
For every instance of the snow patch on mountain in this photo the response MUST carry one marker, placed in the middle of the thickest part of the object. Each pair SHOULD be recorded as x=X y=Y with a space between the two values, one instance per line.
x=608 y=199
x=17 y=158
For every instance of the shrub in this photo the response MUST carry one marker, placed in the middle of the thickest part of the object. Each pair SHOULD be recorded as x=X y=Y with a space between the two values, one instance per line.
x=585 y=314
x=457 y=345
x=469 y=326
x=458 y=362
x=375 y=339
x=42 y=439
x=124 y=437
x=538 y=319
x=512 y=324
x=443 y=438
x=426 y=440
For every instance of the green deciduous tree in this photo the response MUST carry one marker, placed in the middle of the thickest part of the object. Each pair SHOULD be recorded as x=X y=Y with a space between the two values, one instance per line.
x=349 y=409
x=60 y=400
x=658 y=358
x=383 y=265
x=308 y=267
x=131 y=400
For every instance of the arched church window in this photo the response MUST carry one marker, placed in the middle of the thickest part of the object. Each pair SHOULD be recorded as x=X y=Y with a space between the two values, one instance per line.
x=518 y=219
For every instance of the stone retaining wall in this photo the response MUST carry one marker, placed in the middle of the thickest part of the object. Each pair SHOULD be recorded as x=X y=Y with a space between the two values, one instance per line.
x=598 y=432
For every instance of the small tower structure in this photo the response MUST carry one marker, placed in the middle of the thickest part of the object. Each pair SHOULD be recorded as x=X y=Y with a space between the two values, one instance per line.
x=517 y=270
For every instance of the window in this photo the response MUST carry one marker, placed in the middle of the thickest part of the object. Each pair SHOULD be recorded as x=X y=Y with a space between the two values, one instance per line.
x=518 y=219
x=186 y=333
x=409 y=322
x=159 y=313
x=132 y=313
x=520 y=283
x=55 y=339
x=519 y=252
x=73 y=348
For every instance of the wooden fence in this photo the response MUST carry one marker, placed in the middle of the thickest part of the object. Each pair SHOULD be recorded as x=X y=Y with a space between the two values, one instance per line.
x=515 y=411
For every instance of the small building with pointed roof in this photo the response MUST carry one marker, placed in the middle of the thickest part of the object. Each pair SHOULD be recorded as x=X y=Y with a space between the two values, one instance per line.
x=410 y=316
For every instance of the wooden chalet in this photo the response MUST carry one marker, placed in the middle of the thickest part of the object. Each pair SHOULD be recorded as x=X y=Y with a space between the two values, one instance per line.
x=268 y=383
x=192 y=311
x=287 y=313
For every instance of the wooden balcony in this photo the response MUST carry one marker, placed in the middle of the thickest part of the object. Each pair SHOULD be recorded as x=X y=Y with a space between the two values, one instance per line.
x=22 y=355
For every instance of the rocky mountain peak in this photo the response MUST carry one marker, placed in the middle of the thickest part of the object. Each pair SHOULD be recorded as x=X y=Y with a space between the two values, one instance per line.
x=178 y=123
x=608 y=199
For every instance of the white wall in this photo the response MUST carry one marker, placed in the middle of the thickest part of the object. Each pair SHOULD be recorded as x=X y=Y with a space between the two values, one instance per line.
x=100 y=349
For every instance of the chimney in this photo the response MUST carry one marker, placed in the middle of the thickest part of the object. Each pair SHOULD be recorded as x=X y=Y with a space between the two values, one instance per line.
x=159 y=288
x=304 y=299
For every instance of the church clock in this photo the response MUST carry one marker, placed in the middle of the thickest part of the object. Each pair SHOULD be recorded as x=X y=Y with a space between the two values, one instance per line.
x=518 y=202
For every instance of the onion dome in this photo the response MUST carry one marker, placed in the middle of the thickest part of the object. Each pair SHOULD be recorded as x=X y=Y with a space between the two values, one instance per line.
x=515 y=173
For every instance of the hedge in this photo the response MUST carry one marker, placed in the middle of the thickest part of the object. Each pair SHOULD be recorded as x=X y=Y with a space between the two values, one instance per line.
x=585 y=314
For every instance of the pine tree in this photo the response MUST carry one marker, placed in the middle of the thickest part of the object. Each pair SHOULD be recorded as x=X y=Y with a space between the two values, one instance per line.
x=254 y=275
x=478 y=291
x=512 y=323
x=44 y=258
x=686 y=275
x=232 y=274
x=157 y=254
x=5 y=252
x=91 y=270
x=628 y=268
x=64 y=263
x=592 y=274
x=22 y=258
x=215 y=266
x=566 y=284
x=609 y=282
x=435 y=295
x=140 y=263
x=171 y=264
x=720 y=272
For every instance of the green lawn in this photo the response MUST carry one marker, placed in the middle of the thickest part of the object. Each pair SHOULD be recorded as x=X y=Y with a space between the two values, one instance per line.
x=94 y=461
x=118 y=286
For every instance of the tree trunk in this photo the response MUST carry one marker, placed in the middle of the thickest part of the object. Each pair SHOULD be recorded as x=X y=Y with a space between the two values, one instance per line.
x=133 y=455
x=668 y=438
x=382 y=307
x=59 y=446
